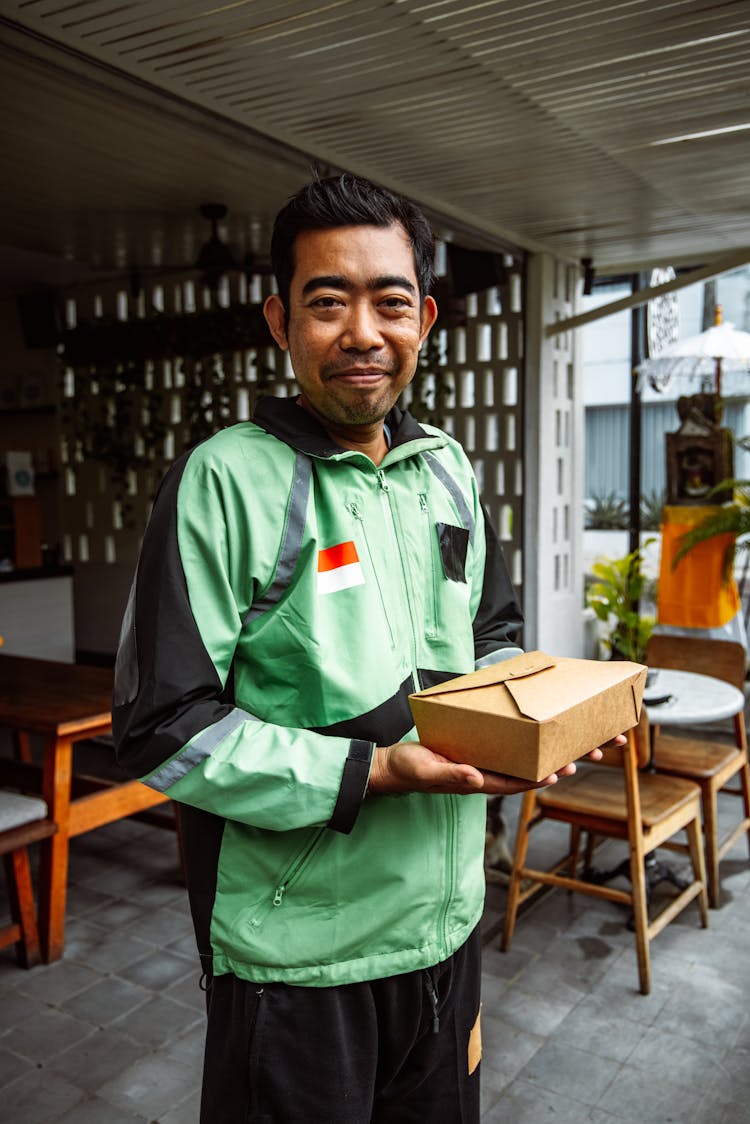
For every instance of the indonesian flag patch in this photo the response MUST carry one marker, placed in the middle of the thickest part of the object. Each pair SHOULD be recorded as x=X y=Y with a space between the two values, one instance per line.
x=339 y=568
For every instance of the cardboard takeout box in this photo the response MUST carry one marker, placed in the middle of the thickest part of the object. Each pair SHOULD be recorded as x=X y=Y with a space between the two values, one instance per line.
x=531 y=714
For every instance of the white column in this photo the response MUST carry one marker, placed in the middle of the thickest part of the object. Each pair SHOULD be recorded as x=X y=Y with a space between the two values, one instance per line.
x=554 y=463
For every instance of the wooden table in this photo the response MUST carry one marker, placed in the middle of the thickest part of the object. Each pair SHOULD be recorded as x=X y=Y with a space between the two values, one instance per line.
x=689 y=699
x=64 y=703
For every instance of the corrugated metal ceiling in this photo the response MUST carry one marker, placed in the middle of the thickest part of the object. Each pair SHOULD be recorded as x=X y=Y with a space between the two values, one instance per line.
x=549 y=124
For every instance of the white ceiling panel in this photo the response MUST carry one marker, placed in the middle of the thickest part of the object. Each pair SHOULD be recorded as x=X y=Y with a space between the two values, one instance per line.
x=617 y=130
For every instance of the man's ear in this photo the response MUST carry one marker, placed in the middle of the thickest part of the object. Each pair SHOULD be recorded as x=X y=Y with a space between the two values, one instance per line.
x=273 y=310
x=429 y=316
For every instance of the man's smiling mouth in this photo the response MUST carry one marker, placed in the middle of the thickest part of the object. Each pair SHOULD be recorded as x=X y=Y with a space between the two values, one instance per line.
x=358 y=374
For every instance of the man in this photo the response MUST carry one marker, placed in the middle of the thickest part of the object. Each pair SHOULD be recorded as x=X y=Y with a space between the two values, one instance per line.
x=300 y=576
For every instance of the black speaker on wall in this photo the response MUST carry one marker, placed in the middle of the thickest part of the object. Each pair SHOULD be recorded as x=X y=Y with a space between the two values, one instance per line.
x=473 y=271
x=40 y=320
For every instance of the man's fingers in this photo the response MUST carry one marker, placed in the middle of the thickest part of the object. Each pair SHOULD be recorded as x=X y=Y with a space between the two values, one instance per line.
x=455 y=778
x=412 y=767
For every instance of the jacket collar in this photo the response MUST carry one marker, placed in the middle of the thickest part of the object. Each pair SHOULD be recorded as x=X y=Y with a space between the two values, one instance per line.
x=283 y=418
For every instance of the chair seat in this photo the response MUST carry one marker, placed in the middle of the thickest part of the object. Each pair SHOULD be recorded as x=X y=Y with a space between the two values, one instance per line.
x=603 y=789
x=690 y=757
x=16 y=810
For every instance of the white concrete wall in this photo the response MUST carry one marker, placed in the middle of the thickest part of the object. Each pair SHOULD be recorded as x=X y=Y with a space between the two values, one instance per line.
x=553 y=435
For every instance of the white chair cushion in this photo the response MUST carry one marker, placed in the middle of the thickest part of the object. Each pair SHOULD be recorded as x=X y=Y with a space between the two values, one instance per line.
x=16 y=810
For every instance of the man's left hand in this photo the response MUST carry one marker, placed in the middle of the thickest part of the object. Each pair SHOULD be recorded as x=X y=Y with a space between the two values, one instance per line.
x=411 y=767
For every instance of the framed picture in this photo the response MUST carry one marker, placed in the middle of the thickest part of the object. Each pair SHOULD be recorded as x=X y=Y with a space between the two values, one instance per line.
x=20 y=473
x=696 y=464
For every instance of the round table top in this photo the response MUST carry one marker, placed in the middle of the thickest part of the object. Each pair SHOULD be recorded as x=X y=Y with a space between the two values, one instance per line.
x=694 y=699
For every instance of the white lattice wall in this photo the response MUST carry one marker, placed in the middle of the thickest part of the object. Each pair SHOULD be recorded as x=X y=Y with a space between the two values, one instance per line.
x=484 y=362
x=103 y=518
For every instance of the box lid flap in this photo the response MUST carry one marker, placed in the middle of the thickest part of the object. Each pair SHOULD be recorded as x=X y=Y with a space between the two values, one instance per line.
x=574 y=681
x=517 y=667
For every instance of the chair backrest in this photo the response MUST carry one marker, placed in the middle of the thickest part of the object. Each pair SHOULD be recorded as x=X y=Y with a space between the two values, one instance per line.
x=724 y=659
x=614 y=755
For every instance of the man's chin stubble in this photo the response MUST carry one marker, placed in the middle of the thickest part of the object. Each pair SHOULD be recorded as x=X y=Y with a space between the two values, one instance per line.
x=360 y=413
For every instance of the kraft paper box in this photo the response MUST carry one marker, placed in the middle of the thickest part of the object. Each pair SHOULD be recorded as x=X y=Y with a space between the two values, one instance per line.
x=531 y=714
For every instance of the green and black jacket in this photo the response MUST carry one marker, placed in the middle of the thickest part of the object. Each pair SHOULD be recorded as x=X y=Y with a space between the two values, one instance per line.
x=289 y=596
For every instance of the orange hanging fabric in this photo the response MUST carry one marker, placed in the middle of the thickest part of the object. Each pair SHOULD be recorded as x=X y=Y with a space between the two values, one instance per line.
x=695 y=593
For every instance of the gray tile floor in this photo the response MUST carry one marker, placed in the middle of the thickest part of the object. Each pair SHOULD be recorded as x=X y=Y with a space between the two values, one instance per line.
x=113 y=1033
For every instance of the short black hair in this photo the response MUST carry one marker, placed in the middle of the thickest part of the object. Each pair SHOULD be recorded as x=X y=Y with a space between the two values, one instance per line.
x=348 y=200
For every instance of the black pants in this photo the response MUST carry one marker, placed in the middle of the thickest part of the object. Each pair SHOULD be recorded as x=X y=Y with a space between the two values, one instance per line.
x=401 y=1050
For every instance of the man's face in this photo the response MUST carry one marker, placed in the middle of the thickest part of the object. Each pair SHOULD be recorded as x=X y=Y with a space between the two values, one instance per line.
x=354 y=326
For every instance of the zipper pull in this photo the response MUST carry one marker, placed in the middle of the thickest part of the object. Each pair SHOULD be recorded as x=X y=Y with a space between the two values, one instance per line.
x=382 y=481
x=355 y=511
x=423 y=503
x=278 y=895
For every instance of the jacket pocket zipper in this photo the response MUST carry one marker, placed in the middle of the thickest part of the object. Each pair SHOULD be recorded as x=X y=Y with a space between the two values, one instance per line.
x=291 y=875
x=287 y=880
x=431 y=601
x=358 y=516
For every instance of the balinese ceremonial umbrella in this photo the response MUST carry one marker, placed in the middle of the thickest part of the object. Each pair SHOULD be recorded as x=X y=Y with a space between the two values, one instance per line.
x=719 y=349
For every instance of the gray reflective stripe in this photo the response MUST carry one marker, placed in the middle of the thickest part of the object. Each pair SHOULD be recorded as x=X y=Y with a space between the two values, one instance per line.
x=293 y=532
x=457 y=495
x=126 y=663
x=497 y=657
x=199 y=749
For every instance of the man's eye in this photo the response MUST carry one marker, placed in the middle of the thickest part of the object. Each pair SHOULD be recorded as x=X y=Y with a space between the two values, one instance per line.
x=326 y=302
x=396 y=302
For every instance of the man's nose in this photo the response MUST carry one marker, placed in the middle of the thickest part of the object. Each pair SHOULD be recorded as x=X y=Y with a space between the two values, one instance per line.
x=361 y=331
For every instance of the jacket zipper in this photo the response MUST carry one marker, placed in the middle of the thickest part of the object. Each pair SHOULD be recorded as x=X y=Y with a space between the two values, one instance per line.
x=451 y=873
x=288 y=878
x=358 y=516
x=291 y=875
x=432 y=601
x=385 y=492
x=450 y=863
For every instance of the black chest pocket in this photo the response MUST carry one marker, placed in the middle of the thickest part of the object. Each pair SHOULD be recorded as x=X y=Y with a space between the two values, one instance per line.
x=454 y=543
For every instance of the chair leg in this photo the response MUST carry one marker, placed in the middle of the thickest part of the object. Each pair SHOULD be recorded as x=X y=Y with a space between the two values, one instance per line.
x=23 y=746
x=21 y=895
x=695 y=846
x=528 y=805
x=575 y=848
x=745 y=790
x=740 y=731
x=709 y=804
x=640 y=921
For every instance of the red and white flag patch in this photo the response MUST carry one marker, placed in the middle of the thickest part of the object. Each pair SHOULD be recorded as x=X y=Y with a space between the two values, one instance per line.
x=339 y=568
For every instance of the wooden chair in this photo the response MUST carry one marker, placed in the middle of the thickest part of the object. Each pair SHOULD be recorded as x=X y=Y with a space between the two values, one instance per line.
x=23 y=820
x=710 y=764
x=613 y=800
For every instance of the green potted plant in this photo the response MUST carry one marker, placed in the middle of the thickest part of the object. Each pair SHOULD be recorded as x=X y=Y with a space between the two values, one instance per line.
x=607 y=513
x=615 y=592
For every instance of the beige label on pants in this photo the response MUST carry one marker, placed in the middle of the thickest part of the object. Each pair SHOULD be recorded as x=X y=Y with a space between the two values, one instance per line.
x=475 y=1044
